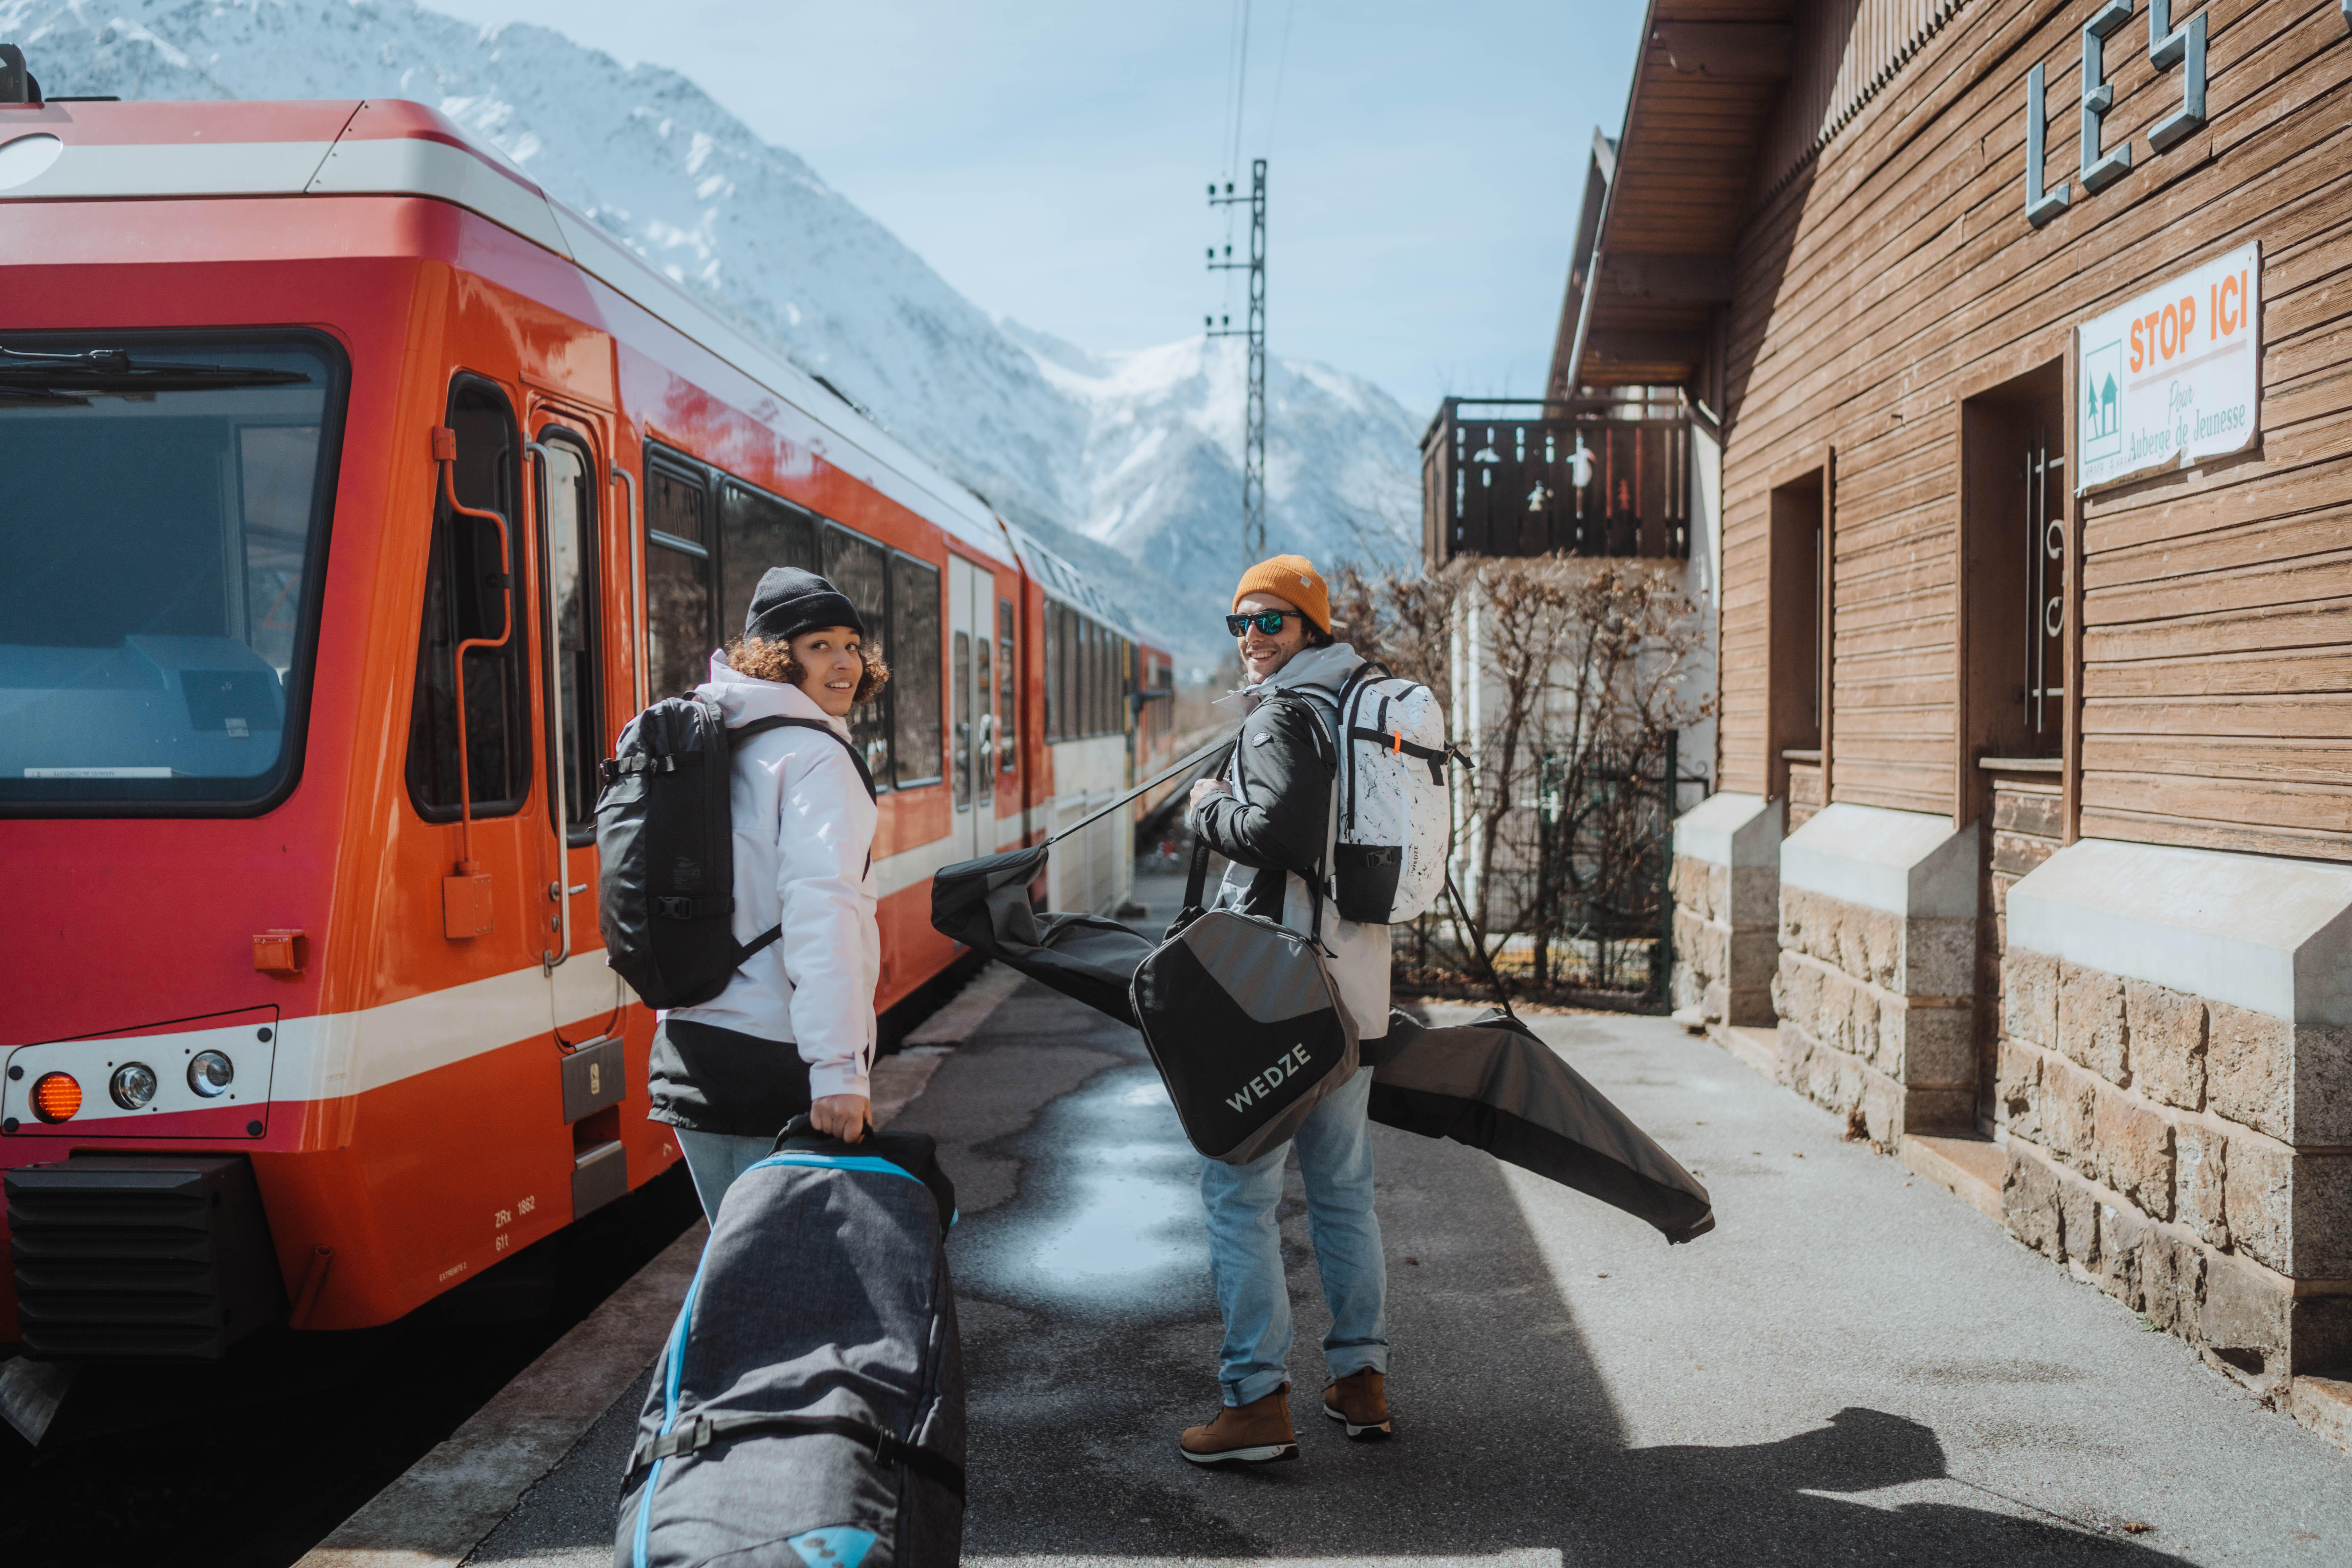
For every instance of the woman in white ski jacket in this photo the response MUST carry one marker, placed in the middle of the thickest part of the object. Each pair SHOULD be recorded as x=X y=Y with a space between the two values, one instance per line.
x=793 y=1031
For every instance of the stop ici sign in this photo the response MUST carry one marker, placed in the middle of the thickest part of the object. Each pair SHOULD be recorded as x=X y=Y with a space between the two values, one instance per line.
x=2173 y=377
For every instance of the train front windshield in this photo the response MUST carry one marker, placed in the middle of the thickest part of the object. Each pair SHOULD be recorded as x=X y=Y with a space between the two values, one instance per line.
x=162 y=536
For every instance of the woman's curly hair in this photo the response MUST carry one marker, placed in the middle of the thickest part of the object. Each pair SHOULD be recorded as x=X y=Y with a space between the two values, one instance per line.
x=763 y=659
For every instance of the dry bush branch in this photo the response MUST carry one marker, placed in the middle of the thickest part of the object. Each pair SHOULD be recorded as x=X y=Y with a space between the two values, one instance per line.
x=1582 y=670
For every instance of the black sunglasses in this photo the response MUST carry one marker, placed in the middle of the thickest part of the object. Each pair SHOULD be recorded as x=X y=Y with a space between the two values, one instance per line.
x=1267 y=621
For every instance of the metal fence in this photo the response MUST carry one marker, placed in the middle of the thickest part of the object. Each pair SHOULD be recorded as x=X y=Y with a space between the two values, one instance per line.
x=1580 y=904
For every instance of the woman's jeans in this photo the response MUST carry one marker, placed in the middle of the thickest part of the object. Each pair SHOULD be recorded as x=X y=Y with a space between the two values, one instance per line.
x=1334 y=1157
x=715 y=1159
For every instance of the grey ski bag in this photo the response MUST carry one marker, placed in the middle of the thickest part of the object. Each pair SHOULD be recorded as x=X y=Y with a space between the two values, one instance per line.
x=808 y=1407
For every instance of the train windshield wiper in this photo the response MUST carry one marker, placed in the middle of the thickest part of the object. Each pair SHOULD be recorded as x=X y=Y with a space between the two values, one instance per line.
x=73 y=378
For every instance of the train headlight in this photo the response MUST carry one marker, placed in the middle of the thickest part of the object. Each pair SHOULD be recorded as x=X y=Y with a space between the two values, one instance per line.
x=210 y=1074
x=56 y=1097
x=132 y=1085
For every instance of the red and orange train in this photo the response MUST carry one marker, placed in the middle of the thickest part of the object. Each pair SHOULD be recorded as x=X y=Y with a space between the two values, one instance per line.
x=314 y=417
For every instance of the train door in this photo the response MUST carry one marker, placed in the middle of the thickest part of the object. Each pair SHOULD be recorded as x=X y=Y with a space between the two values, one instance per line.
x=972 y=731
x=573 y=608
x=573 y=583
x=472 y=654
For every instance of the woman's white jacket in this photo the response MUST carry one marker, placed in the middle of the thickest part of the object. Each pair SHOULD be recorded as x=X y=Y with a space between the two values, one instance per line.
x=805 y=859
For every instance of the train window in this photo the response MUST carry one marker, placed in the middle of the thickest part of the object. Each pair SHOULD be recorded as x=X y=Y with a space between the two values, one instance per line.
x=861 y=570
x=679 y=599
x=1066 y=642
x=756 y=530
x=915 y=670
x=984 y=681
x=569 y=499
x=1049 y=632
x=1008 y=728
x=960 y=696
x=1114 y=688
x=466 y=596
x=1093 y=677
x=1073 y=720
x=1122 y=664
x=1109 y=716
x=1102 y=680
x=159 y=571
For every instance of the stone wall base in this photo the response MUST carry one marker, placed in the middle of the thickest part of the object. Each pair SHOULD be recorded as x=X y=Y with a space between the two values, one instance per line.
x=1875 y=1106
x=2325 y=1405
x=1723 y=962
x=1892 y=1064
x=2246 y=1319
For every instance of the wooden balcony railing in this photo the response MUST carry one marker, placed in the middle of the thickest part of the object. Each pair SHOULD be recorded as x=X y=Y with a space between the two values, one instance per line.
x=1526 y=477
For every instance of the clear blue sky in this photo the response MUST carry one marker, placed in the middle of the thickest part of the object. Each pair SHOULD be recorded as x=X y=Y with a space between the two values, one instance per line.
x=1050 y=158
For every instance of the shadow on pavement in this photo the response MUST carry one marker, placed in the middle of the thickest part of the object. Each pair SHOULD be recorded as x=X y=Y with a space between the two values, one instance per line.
x=1090 y=1340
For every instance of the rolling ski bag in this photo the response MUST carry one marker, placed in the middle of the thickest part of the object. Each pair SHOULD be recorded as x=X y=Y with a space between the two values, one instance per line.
x=1244 y=1024
x=807 y=1411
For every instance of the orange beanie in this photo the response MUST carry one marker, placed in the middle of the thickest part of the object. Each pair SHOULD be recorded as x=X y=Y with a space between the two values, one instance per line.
x=1291 y=577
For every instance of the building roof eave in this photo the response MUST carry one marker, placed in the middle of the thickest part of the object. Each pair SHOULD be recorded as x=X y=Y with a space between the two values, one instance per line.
x=1649 y=275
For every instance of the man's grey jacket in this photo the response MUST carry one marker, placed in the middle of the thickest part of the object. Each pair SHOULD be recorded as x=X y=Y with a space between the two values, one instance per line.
x=1276 y=824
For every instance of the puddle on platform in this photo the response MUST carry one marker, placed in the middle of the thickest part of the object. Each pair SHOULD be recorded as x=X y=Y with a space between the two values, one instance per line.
x=1124 y=1225
x=1110 y=1210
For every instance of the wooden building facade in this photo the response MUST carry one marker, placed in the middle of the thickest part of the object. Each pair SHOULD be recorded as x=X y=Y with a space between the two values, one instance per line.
x=2032 y=848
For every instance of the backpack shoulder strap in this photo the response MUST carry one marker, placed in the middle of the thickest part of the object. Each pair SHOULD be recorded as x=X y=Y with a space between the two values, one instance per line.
x=1351 y=698
x=1318 y=703
x=742 y=732
x=1330 y=748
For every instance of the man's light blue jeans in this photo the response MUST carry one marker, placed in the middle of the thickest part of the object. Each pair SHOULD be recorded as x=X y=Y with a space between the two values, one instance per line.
x=1334 y=1157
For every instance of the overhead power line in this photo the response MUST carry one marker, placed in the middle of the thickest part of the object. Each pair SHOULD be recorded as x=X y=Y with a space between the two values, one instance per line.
x=1239 y=83
x=1254 y=536
x=1281 y=68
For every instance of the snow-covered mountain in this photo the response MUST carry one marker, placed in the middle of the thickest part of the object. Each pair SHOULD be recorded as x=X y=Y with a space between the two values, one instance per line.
x=1159 y=473
x=1126 y=463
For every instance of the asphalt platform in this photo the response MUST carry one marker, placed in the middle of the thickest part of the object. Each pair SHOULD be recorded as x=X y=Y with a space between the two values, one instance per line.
x=1854 y=1367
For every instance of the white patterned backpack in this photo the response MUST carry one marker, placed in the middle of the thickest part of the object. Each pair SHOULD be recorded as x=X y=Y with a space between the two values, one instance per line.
x=1395 y=823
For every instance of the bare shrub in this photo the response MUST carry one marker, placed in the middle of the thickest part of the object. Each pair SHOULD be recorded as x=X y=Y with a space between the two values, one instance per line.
x=1404 y=620
x=1565 y=679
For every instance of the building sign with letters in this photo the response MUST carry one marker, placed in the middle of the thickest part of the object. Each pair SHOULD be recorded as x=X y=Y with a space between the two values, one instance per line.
x=2173 y=377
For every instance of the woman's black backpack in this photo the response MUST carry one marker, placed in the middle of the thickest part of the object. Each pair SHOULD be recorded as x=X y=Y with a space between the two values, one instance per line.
x=666 y=852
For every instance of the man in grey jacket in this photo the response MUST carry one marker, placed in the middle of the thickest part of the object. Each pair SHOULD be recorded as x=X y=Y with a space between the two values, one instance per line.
x=1271 y=818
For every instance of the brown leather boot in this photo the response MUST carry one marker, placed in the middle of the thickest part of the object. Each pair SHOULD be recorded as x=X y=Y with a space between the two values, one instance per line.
x=1253 y=1434
x=1359 y=1402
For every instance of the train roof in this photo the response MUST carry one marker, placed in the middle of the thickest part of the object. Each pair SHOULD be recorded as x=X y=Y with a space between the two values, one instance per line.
x=1066 y=581
x=396 y=147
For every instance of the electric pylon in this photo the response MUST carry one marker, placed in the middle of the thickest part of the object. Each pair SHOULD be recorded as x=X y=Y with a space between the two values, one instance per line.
x=1253 y=425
